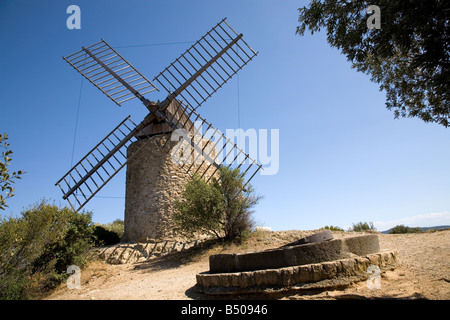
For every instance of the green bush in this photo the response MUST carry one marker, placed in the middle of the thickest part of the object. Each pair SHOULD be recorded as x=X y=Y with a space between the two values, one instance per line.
x=221 y=207
x=362 y=226
x=104 y=237
x=37 y=248
x=332 y=228
x=117 y=226
x=403 y=229
x=201 y=209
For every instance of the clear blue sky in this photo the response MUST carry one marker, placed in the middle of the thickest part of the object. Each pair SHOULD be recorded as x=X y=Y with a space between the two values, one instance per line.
x=343 y=156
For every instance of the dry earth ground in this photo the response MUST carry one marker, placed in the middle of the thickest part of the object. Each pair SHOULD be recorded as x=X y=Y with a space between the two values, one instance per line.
x=423 y=273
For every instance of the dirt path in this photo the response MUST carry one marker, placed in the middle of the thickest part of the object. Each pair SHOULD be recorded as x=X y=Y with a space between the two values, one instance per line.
x=424 y=271
x=153 y=280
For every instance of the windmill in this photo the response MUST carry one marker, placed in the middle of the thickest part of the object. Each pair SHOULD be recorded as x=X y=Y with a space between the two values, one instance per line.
x=197 y=74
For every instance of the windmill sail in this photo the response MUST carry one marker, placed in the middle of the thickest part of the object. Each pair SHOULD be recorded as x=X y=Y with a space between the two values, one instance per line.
x=99 y=165
x=207 y=65
x=106 y=69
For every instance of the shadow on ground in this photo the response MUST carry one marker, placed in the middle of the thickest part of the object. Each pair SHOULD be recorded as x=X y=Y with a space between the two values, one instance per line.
x=294 y=295
x=178 y=259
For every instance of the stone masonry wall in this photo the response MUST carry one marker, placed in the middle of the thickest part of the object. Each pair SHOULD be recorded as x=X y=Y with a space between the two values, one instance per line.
x=153 y=183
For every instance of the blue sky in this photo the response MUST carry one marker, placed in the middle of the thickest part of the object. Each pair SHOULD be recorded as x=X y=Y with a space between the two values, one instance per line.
x=343 y=156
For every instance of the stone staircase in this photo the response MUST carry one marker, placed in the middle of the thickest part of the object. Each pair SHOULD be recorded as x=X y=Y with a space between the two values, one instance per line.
x=122 y=253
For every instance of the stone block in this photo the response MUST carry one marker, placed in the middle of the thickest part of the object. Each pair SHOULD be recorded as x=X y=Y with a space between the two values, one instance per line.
x=287 y=275
x=363 y=245
x=247 y=280
x=271 y=276
x=329 y=269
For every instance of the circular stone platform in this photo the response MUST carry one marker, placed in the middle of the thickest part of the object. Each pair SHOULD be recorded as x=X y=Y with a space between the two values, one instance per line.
x=325 y=275
x=320 y=265
x=295 y=255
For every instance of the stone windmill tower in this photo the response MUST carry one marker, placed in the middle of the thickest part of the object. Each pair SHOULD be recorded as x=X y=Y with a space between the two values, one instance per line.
x=165 y=148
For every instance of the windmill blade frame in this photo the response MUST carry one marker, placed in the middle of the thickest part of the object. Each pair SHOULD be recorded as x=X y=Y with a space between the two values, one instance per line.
x=85 y=179
x=117 y=78
x=206 y=66
x=202 y=149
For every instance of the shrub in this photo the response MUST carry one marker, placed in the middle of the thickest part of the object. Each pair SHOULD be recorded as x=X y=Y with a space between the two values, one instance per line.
x=201 y=208
x=362 y=226
x=109 y=233
x=403 y=229
x=222 y=207
x=15 y=280
x=117 y=226
x=104 y=237
x=332 y=228
x=37 y=248
x=6 y=178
